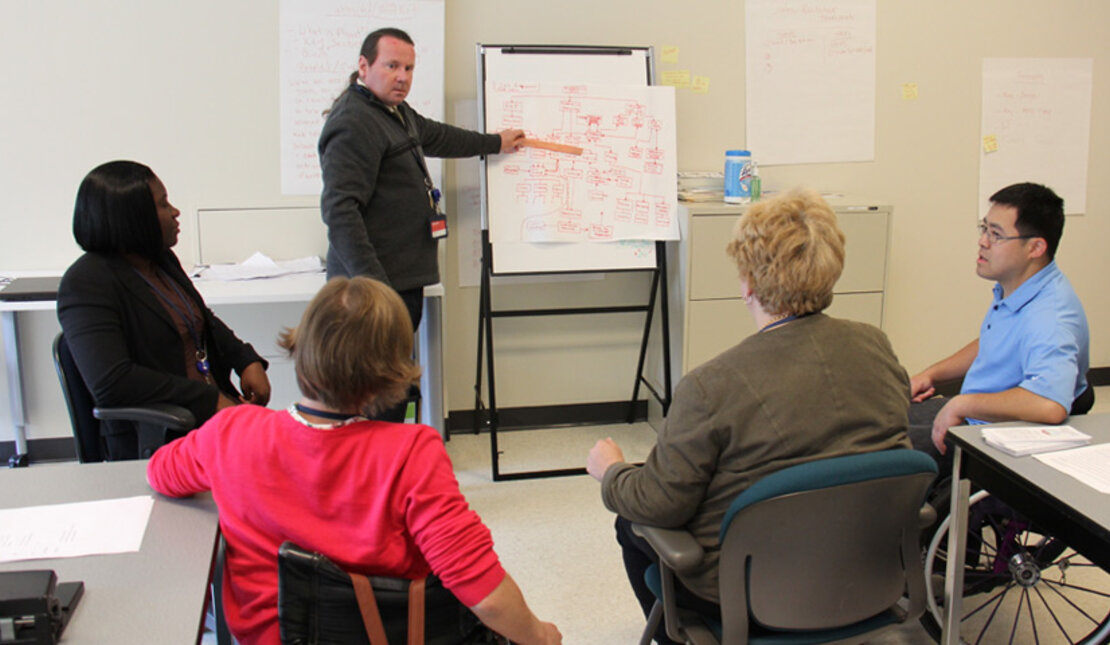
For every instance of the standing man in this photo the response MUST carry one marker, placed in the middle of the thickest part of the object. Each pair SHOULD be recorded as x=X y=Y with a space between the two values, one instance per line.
x=1030 y=360
x=379 y=204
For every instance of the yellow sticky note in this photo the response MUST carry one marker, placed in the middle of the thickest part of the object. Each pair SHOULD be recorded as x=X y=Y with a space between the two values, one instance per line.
x=670 y=54
x=701 y=85
x=909 y=91
x=990 y=143
x=677 y=78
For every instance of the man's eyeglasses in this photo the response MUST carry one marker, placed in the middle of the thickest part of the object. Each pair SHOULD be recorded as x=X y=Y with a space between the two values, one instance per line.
x=994 y=237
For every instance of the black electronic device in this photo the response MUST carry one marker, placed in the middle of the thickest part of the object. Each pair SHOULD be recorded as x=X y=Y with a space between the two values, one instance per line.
x=34 y=608
x=26 y=289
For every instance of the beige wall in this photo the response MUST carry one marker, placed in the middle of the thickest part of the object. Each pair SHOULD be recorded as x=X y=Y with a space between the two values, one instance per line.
x=926 y=156
x=208 y=69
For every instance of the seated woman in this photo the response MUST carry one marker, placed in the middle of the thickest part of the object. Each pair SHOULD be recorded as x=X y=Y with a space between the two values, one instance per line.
x=806 y=386
x=376 y=497
x=138 y=330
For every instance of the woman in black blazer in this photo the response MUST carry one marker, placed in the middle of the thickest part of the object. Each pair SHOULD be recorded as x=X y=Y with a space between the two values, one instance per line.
x=138 y=330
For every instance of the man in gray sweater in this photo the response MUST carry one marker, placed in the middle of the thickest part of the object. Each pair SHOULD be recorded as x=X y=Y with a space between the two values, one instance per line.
x=378 y=200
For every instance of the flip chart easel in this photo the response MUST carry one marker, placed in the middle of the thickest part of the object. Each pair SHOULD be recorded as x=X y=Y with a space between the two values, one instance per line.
x=573 y=65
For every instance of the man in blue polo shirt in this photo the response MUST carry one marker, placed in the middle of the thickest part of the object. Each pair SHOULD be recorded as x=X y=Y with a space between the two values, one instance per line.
x=1030 y=360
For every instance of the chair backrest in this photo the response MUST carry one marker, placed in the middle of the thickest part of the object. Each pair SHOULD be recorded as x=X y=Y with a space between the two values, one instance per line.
x=1084 y=402
x=316 y=601
x=79 y=402
x=825 y=544
x=317 y=605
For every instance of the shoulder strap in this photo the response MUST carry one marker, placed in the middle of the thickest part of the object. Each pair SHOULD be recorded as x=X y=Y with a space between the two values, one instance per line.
x=416 y=612
x=371 y=618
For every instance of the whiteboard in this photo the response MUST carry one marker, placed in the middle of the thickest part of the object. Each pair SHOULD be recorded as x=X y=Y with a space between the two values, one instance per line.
x=562 y=64
x=320 y=42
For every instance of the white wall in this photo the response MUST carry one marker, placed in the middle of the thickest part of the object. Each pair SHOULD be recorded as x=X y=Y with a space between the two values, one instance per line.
x=190 y=88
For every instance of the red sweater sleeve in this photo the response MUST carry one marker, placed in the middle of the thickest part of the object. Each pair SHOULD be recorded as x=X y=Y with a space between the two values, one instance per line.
x=454 y=541
x=177 y=469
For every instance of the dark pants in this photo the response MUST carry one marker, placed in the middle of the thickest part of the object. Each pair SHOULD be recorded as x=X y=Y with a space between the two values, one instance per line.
x=920 y=430
x=414 y=303
x=638 y=556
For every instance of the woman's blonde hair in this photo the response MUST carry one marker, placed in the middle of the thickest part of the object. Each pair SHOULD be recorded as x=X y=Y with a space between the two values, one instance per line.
x=790 y=251
x=353 y=347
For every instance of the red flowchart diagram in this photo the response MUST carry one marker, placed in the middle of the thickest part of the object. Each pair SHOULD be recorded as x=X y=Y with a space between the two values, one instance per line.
x=622 y=187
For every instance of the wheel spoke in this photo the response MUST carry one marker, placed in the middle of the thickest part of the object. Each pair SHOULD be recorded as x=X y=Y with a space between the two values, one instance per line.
x=996 y=600
x=1027 y=597
x=1070 y=602
x=1054 y=617
x=1075 y=587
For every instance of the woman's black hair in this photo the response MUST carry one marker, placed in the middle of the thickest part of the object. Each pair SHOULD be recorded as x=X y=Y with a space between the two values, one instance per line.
x=115 y=211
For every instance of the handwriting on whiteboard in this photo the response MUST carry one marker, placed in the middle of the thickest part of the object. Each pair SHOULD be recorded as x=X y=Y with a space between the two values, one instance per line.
x=622 y=187
x=320 y=42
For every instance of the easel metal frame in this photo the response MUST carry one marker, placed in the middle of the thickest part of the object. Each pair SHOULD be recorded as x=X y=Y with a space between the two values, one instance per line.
x=486 y=315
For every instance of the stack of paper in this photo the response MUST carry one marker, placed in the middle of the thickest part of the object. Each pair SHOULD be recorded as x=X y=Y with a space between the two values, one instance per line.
x=259 y=266
x=1027 y=440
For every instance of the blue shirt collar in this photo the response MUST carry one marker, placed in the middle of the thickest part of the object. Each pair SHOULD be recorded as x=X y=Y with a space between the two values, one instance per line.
x=1028 y=289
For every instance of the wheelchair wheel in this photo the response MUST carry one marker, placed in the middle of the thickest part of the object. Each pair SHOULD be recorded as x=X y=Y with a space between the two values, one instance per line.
x=1020 y=586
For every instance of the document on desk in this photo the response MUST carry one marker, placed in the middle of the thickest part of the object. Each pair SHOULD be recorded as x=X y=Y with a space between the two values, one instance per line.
x=75 y=529
x=1087 y=464
x=260 y=266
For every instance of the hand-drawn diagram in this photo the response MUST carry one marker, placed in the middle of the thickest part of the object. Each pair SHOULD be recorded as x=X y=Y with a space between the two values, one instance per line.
x=621 y=188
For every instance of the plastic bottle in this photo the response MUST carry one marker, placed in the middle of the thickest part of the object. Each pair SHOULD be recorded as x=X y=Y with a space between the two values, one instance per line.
x=757 y=183
x=738 y=176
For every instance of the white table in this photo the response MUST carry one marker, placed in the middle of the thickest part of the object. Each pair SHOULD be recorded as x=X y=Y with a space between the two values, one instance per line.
x=156 y=595
x=292 y=288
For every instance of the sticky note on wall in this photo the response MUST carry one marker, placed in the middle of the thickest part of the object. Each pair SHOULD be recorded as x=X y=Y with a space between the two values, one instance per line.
x=670 y=54
x=990 y=143
x=700 y=85
x=909 y=91
x=676 y=78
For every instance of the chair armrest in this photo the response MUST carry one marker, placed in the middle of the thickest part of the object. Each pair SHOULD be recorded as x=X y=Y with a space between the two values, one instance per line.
x=170 y=416
x=676 y=548
x=927 y=517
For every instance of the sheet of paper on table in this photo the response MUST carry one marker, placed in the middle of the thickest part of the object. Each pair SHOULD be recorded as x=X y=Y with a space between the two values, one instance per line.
x=74 y=529
x=1087 y=464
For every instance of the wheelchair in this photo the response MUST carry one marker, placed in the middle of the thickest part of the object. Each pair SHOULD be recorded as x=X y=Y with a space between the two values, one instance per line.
x=1021 y=585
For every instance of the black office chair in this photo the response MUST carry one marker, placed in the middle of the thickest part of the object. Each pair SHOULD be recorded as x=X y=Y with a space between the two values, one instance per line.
x=155 y=424
x=321 y=604
x=821 y=552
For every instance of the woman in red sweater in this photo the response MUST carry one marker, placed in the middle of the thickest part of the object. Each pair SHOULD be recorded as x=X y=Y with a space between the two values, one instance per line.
x=376 y=497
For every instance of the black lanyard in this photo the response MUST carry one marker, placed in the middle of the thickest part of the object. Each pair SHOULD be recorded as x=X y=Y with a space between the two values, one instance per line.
x=414 y=143
x=186 y=317
x=324 y=414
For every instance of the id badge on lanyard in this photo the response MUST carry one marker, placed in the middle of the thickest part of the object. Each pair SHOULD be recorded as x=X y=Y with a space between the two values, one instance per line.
x=437 y=223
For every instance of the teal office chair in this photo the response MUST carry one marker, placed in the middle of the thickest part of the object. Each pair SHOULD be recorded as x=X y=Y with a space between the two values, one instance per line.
x=822 y=552
x=155 y=424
